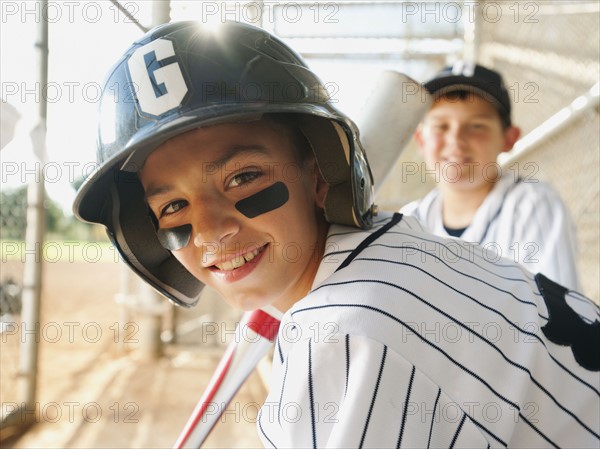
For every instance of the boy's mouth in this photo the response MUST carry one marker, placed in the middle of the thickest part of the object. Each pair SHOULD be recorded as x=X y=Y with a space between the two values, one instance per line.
x=460 y=160
x=240 y=260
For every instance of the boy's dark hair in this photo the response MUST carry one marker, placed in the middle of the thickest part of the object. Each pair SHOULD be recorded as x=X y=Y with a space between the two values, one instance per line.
x=465 y=95
x=472 y=79
x=301 y=144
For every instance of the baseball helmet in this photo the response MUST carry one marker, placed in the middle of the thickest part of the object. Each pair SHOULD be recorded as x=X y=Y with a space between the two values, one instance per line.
x=181 y=76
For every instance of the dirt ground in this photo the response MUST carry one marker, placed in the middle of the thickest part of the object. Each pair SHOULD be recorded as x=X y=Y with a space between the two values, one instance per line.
x=95 y=388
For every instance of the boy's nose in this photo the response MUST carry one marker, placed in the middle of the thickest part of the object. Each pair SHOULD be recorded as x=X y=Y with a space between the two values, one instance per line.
x=214 y=223
x=456 y=138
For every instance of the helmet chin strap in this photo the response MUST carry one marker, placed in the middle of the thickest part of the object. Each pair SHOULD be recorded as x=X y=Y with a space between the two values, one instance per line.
x=271 y=198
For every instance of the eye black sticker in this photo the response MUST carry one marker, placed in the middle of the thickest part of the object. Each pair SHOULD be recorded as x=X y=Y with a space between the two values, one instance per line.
x=566 y=328
x=271 y=198
x=175 y=238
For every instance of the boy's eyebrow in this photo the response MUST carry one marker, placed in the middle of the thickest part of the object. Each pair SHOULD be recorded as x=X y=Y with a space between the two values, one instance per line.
x=446 y=115
x=154 y=191
x=229 y=154
x=234 y=151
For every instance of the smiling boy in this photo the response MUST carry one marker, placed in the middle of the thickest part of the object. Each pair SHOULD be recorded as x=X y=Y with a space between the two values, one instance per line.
x=267 y=197
x=245 y=160
x=521 y=218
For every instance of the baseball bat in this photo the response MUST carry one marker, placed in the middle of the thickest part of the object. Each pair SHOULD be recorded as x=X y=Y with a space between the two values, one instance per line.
x=389 y=119
x=254 y=337
x=390 y=116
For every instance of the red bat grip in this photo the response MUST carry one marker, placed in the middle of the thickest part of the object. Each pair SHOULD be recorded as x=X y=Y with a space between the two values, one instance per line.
x=264 y=324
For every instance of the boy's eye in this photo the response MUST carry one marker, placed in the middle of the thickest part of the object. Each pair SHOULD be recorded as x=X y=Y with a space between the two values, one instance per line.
x=173 y=207
x=439 y=127
x=244 y=178
x=478 y=126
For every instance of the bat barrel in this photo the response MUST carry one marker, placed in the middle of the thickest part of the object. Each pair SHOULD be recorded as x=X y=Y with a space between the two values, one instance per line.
x=389 y=118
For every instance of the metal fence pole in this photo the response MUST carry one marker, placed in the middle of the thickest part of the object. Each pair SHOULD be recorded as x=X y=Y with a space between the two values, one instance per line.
x=472 y=30
x=152 y=305
x=34 y=238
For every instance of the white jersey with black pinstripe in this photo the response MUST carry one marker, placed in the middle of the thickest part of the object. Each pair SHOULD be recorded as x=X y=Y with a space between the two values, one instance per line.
x=411 y=340
x=521 y=220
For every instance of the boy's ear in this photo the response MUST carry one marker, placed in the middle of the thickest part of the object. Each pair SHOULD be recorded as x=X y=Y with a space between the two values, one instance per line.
x=419 y=137
x=321 y=186
x=511 y=135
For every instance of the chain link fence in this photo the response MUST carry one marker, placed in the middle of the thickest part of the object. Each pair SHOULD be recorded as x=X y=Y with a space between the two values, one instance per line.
x=548 y=53
x=13 y=206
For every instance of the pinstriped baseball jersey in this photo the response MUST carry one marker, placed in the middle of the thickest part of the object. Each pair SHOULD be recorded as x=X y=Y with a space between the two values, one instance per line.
x=411 y=340
x=523 y=221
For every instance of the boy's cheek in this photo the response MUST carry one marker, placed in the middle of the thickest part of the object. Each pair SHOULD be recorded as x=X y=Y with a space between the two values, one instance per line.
x=431 y=153
x=432 y=139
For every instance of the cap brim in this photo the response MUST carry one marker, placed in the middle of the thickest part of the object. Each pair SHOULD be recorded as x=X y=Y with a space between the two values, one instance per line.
x=442 y=86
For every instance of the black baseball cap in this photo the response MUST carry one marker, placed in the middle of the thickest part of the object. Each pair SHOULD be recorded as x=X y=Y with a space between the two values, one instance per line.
x=472 y=78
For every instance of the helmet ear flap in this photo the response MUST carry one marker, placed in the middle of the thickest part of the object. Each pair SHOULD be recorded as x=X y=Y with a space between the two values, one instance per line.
x=153 y=218
x=344 y=167
x=133 y=228
x=363 y=188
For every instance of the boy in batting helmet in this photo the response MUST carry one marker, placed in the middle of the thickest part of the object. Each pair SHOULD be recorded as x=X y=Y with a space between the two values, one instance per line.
x=222 y=163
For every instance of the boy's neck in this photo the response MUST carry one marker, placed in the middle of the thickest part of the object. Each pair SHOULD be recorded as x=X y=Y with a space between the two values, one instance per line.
x=460 y=206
